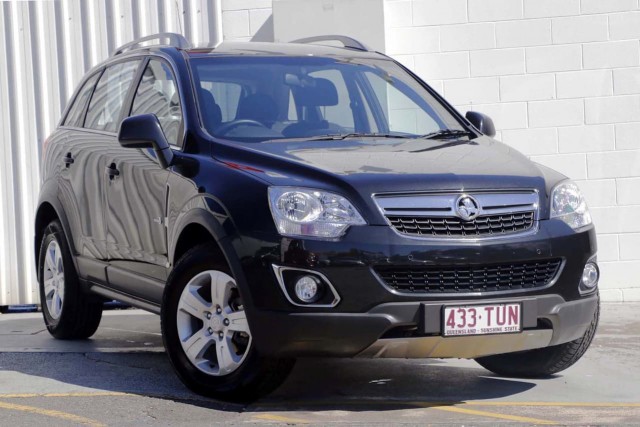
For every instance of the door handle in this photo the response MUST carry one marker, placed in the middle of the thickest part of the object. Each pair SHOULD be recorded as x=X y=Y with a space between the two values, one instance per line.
x=112 y=171
x=68 y=160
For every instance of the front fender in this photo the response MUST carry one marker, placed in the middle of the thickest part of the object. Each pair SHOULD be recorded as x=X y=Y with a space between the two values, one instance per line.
x=200 y=215
x=221 y=229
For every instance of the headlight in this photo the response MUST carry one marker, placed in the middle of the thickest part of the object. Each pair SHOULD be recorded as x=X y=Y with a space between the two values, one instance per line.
x=311 y=213
x=568 y=205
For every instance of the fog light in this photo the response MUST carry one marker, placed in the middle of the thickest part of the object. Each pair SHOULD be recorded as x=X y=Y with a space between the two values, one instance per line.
x=590 y=276
x=307 y=288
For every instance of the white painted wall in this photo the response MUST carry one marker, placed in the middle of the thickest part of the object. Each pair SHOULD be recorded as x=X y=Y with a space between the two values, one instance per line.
x=46 y=48
x=361 y=19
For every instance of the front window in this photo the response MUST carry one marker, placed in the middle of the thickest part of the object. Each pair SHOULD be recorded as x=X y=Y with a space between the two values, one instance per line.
x=254 y=99
x=157 y=94
x=105 y=107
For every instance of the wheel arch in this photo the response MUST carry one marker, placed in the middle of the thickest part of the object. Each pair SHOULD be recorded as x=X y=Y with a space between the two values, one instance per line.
x=49 y=209
x=194 y=234
x=200 y=226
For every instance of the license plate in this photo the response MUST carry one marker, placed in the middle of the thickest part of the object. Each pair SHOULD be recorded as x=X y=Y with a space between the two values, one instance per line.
x=482 y=319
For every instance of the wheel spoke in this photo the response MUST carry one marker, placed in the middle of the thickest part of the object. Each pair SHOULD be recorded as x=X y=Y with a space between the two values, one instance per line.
x=221 y=285
x=50 y=259
x=56 y=305
x=59 y=301
x=192 y=303
x=48 y=286
x=197 y=345
x=228 y=361
x=238 y=322
x=58 y=260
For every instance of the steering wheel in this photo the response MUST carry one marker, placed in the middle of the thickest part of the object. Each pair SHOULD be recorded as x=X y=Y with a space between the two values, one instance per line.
x=224 y=129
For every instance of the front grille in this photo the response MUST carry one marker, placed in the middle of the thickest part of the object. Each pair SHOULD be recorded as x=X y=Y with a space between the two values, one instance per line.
x=468 y=279
x=482 y=226
x=438 y=215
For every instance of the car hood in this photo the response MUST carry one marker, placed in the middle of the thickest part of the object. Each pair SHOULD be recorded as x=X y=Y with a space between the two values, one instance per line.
x=373 y=166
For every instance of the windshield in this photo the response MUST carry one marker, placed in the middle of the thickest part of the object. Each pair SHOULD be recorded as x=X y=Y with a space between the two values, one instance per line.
x=255 y=99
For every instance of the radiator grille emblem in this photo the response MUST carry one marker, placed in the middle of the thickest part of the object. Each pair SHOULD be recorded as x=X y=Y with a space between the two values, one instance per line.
x=467 y=207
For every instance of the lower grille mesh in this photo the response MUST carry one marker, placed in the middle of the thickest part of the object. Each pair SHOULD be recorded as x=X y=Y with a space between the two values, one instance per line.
x=464 y=279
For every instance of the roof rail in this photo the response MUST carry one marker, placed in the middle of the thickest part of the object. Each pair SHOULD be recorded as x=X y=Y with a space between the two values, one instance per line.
x=174 y=39
x=347 y=41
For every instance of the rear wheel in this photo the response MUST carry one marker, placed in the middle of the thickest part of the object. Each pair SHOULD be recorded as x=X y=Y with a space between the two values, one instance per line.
x=207 y=336
x=68 y=312
x=541 y=362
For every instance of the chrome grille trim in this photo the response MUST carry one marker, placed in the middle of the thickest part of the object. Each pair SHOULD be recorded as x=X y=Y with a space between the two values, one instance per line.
x=433 y=215
x=490 y=225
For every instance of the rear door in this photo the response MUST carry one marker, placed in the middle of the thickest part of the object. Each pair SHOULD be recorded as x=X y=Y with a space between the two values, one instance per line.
x=81 y=177
x=137 y=196
x=90 y=149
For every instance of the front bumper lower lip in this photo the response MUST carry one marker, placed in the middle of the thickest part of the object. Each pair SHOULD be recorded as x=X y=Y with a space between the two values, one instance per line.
x=548 y=320
x=466 y=347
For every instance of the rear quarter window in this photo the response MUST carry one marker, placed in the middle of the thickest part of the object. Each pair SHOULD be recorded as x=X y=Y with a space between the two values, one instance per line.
x=75 y=118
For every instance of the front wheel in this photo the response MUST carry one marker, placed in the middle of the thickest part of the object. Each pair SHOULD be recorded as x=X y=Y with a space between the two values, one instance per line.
x=542 y=362
x=207 y=335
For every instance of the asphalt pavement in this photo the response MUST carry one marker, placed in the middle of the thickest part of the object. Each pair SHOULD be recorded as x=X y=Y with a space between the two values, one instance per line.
x=122 y=377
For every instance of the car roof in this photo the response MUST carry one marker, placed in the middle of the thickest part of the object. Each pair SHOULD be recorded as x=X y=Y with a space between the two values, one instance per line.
x=279 y=49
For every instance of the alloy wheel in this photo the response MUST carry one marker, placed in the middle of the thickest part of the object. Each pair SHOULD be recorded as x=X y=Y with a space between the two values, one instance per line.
x=54 y=279
x=212 y=324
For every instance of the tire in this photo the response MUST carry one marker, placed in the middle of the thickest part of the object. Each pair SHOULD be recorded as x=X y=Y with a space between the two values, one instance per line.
x=69 y=312
x=542 y=362
x=197 y=335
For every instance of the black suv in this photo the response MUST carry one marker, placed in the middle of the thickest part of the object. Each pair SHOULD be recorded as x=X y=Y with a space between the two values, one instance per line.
x=274 y=201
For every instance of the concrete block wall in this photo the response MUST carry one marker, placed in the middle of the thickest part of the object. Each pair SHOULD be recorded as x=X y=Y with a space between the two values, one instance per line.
x=561 y=79
x=246 y=20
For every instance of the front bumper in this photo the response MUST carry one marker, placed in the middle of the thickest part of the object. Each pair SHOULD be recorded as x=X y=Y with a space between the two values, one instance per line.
x=547 y=320
x=370 y=315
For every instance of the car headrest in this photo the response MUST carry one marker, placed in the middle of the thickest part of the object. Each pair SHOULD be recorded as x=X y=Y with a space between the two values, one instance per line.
x=212 y=115
x=321 y=93
x=258 y=107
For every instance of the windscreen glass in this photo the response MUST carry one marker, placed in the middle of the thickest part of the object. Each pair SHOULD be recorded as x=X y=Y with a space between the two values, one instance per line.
x=254 y=99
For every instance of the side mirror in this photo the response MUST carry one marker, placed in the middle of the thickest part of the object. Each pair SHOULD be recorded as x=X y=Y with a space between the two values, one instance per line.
x=144 y=131
x=481 y=122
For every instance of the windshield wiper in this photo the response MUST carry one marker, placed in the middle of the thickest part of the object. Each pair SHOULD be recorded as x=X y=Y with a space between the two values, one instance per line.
x=445 y=133
x=445 y=145
x=339 y=136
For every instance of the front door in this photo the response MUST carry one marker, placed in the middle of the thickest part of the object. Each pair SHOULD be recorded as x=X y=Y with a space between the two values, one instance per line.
x=137 y=191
